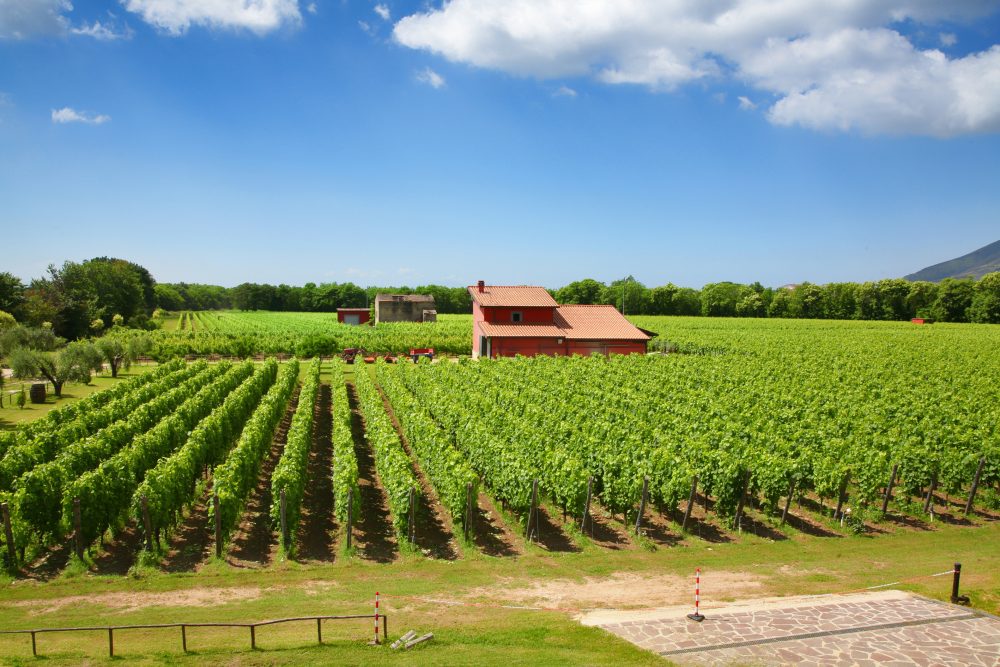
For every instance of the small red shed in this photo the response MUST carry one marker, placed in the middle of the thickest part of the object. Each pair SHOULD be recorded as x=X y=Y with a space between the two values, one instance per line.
x=354 y=315
x=525 y=320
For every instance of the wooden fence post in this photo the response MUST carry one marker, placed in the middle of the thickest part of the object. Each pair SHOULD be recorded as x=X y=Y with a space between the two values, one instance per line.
x=218 y=525
x=586 y=508
x=888 y=489
x=413 y=516
x=788 y=501
x=642 y=505
x=929 y=501
x=742 y=501
x=690 y=505
x=975 y=485
x=77 y=528
x=350 y=515
x=147 y=524
x=8 y=533
x=284 y=521
x=842 y=496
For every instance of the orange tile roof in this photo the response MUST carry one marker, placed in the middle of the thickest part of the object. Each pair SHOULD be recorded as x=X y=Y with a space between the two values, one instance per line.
x=520 y=330
x=512 y=296
x=596 y=323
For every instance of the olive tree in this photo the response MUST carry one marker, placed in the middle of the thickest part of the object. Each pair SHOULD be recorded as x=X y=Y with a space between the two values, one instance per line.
x=120 y=353
x=74 y=363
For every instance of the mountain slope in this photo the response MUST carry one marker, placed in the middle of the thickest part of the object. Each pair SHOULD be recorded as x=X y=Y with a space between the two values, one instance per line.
x=975 y=265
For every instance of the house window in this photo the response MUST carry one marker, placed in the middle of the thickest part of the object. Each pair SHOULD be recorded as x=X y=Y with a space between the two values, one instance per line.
x=515 y=316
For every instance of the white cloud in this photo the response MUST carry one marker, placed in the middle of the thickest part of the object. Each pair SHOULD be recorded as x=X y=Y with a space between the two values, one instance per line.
x=366 y=27
x=23 y=19
x=830 y=65
x=431 y=78
x=746 y=103
x=104 y=32
x=383 y=11
x=311 y=8
x=948 y=39
x=176 y=16
x=68 y=115
x=564 y=91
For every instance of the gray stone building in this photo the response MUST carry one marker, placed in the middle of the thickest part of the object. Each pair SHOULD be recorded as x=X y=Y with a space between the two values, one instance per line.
x=405 y=308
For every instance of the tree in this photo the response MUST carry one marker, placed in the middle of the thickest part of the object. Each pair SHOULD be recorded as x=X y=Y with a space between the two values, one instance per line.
x=168 y=298
x=74 y=363
x=33 y=338
x=720 y=299
x=985 y=307
x=751 y=305
x=11 y=293
x=121 y=353
x=953 y=300
x=807 y=301
x=841 y=300
x=780 y=303
x=7 y=321
x=581 y=292
x=921 y=297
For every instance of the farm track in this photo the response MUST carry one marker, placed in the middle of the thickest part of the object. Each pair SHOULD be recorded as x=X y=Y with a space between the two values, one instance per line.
x=255 y=543
x=434 y=531
x=373 y=532
x=315 y=535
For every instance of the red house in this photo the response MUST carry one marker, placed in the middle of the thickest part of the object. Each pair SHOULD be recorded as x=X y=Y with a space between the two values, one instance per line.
x=353 y=315
x=510 y=320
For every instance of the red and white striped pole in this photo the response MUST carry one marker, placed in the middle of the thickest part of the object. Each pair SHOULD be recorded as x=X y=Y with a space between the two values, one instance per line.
x=696 y=616
x=376 y=617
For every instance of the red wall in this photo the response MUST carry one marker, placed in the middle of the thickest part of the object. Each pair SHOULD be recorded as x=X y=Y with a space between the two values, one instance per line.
x=529 y=347
x=363 y=319
x=529 y=315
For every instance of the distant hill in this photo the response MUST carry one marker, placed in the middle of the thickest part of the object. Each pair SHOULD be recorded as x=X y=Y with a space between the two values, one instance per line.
x=974 y=265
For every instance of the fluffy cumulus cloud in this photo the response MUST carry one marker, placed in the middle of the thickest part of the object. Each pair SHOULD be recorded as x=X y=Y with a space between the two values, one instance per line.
x=840 y=65
x=68 y=115
x=177 y=16
x=23 y=19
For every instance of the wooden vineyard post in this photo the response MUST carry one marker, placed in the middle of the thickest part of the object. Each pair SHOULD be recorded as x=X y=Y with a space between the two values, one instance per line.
x=888 y=488
x=147 y=524
x=642 y=505
x=77 y=529
x=468 y=510
x=741 y=501
x=284 y=521
x=975 y=485
x=586 y=509
x=842 y=496
x=690 y=505
x=413 y=516
x=8 y=533
x=788 y=501
x=533 y=513
x=929 y=502
x=218 y=525
x=350 y=515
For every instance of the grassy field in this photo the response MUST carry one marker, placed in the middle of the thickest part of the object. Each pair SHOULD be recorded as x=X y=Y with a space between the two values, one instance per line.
x=478 y=631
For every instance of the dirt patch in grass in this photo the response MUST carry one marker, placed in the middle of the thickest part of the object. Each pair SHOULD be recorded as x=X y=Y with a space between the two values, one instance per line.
x=619 y=591
x=129 y=602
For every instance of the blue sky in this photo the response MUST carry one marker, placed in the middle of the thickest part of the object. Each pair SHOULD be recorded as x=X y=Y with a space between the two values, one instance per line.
x=515 y=141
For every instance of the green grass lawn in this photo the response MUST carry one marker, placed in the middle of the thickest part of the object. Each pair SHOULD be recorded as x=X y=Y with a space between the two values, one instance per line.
x=480 y=632
x=11 y=415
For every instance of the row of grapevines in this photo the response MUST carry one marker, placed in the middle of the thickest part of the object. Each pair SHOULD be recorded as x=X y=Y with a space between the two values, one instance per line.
x=233 y=480
x=345 y=460
x=48 y=445
x=447 y=468
x=67 y=424
x=291 y=472
x=169 y=485
x=105 y=492
x=507 y=451
x=391 y=462
x=37 y=500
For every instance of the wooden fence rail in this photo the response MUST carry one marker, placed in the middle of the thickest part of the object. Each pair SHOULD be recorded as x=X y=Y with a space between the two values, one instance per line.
x=111 y=629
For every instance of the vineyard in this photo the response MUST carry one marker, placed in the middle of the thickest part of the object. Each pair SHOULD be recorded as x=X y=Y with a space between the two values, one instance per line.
x=862 y=424
x=241 y=334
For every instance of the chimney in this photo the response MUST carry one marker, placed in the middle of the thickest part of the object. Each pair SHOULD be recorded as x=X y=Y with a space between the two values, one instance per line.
x=482 y=286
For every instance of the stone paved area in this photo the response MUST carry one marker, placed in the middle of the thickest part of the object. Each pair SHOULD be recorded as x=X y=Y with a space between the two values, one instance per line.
x=887 y=628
